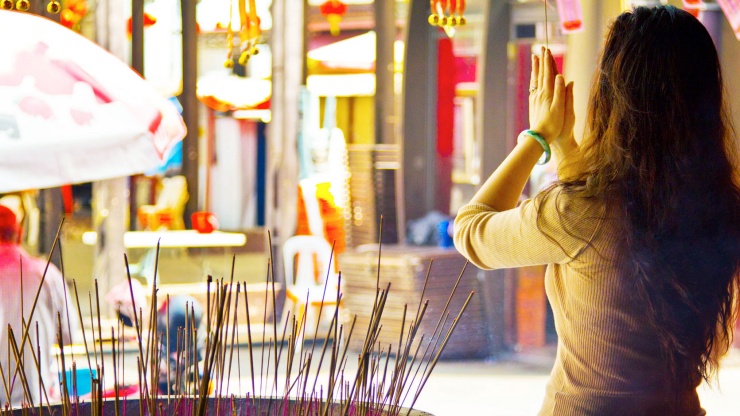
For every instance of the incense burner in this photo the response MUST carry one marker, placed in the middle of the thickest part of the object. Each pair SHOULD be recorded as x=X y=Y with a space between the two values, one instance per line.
x=189 y=406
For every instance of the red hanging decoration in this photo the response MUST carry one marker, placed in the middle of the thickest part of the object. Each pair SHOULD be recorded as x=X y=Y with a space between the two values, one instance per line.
x=333 y=10
x=149 y=20
x=72 y=13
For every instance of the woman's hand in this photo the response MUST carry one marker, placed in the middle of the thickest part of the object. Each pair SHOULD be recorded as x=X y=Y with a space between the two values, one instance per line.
x=569 y=116
x=547 y=102
x=565 y=147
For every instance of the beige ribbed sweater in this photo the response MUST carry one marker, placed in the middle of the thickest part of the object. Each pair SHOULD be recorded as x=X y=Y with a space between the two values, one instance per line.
x=607 y=356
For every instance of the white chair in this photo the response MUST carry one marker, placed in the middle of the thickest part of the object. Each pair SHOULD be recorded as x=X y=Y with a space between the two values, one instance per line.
x=306 y=280
x=169 y=208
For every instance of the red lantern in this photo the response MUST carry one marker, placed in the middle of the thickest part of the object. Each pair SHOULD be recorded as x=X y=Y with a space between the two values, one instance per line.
x=334 y=10
x=149 y=20
x=694 y=7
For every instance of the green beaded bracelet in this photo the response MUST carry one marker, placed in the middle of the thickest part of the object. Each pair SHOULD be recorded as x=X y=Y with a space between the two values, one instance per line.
x=541 y=140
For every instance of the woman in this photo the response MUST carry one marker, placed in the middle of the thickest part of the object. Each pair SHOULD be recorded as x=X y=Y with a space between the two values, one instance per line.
x=640 y=233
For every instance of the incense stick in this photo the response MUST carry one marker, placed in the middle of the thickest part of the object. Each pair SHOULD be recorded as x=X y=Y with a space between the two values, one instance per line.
x=547 y=27
x=385 y=376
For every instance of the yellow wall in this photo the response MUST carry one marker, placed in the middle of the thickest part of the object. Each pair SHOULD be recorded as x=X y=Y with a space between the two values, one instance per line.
x=355 y=117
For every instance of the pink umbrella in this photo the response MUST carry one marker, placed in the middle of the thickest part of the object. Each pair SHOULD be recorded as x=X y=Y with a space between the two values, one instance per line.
x=71 y=112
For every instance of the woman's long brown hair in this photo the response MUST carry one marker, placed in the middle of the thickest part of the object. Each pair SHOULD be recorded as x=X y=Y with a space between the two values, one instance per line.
x=660 y=148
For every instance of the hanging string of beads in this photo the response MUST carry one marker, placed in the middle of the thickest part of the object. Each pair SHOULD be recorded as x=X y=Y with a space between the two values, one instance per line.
x=229 y=63
x=249 y=32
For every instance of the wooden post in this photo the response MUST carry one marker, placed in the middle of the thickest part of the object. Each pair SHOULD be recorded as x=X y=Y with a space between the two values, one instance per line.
x=386 y=117
x=137 y=36
x=288 y=77
x=137 y=64
x=492 y=119
x=385 y=31
x=189 y=103
x=419 y=112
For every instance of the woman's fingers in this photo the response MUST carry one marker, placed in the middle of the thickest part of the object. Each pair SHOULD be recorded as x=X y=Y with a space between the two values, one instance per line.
x=553 y=64
x=551 y=70
x=541 y=69
x=534 y=77
x=558 y=97
x=547 y=66
x=570 y=115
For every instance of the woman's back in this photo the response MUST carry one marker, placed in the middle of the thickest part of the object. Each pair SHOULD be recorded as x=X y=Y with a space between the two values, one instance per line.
x=609 y=355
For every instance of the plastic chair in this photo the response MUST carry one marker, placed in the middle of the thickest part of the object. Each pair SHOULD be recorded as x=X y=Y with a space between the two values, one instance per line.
x=309 y=256
x=169 y=208
x=313 y=211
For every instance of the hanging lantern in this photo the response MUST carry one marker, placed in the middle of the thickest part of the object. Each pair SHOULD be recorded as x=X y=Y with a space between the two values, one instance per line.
x=694 y=7
x=333 y=10
x=571 y=16
x=149 y=20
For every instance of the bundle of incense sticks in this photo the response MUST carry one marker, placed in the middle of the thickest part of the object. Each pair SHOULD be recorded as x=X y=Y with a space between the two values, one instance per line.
x=284 y=368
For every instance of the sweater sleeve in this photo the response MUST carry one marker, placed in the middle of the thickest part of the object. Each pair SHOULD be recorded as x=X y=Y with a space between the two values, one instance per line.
x=521 y=237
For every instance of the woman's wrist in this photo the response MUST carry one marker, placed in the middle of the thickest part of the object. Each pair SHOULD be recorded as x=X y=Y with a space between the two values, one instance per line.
x=565 y=154
x=563 y=147
x=534 y=136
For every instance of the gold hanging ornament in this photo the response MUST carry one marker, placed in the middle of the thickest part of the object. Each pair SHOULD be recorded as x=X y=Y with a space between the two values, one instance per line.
x=447 y=14
x=53 y=7
x=6 y=4
x=22 y=5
